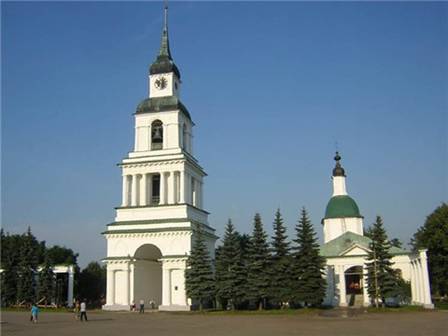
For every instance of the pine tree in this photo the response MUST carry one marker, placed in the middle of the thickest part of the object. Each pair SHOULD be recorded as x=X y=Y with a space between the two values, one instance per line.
x=46 y=281
x=258 y=265
x=280 y=276
x=381 y=278
x=199 y=278
x=308 y=282
x=230 y=271
x=26 y=269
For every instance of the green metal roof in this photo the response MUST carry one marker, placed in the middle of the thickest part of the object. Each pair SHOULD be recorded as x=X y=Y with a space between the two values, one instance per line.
x=160 y=104
x=337 y=246
x=342 y=206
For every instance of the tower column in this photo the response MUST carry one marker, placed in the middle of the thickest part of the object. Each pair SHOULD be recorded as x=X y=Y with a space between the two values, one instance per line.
x=110 y=289
x=166 y=280
x=124 y=198
x=134 y=190
x=342 y=292
x=126 y=285
x=182 y=186
x=162 y=188
x=131 y=282
x=171 y=188
x=144 y=190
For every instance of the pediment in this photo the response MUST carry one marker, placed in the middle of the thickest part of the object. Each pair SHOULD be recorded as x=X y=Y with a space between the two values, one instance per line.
x=355 y=249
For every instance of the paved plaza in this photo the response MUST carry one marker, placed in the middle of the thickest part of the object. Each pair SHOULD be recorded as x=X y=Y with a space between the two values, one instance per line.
x=185 y=324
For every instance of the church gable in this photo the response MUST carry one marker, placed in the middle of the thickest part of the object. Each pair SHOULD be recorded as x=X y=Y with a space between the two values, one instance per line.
x=345 y=244
x=355 y=250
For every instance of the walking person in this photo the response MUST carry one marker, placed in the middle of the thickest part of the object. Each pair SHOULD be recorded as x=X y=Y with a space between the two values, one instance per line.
x=83 y=310
x=142 y=306
x=76 y=310
x=34 y=312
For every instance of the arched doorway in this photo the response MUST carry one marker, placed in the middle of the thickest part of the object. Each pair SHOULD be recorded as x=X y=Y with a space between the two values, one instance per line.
x=354 y=283
x=147 y=275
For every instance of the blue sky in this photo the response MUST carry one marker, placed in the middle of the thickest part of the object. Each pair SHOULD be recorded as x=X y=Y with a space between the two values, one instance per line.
x=271 y=87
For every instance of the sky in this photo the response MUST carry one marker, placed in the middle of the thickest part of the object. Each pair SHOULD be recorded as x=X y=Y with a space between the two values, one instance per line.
x=273 y=87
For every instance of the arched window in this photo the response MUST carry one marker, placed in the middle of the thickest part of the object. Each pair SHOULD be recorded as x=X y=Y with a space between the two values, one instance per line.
x=184 y=137
x=156 y=134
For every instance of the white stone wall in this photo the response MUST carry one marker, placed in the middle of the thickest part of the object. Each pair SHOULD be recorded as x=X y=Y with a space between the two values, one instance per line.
x=335 y=227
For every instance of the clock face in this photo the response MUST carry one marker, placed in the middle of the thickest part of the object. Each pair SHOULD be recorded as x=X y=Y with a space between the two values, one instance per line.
x=160 y=83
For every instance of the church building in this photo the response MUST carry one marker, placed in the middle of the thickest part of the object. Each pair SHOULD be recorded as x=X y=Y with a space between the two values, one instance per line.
x=345 y=249
x=162 y=199
x=162 y=207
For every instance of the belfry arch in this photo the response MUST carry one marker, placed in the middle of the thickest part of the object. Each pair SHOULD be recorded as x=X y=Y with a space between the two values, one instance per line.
x=147 y=278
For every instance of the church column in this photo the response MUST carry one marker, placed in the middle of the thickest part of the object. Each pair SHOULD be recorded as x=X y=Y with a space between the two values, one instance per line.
x=110 y=289
x=417 y=283
x=134 y=190
x=124 y=198
x=126 y=285
x=162 y=188
x=196 y=193
x=427 y=302
x=166 y=293
x=144 y=190
x=131 y=281
x=171 y=188
x=71 y=278
x=413 y=287
x=182 y=187
x=342 y=293
x=187 y=187
x=165 y=136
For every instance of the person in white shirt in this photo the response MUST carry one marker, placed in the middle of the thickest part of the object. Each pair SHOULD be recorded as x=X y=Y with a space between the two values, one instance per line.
x=142 y=306
x=82 y=309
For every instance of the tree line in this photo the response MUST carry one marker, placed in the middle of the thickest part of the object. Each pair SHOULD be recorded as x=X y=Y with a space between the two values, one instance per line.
x=251 y=272
x=27 y=273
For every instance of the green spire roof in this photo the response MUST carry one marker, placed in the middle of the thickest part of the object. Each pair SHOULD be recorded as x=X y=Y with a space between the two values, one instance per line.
x=342 y=206
x=164 y=62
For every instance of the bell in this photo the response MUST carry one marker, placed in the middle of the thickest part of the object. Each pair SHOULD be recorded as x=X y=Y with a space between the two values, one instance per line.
x=157 y=134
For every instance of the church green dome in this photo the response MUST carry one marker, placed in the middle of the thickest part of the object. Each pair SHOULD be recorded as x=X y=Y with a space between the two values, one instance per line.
x=342 y=206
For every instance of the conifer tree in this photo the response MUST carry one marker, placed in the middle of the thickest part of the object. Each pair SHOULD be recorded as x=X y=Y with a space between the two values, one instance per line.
x=230 y=271
x=308 y=282
x=280 y=276
x=258 y=265
x=46 y=281
x=199 y=278
x=381 y=278
x=26 y=269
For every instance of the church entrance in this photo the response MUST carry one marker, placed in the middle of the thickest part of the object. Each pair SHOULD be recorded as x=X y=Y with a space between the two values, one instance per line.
x=354 y=283
x=148 y=276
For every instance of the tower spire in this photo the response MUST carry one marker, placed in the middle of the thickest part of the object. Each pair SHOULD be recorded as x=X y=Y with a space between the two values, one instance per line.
x=164 y=62
x=165 y=45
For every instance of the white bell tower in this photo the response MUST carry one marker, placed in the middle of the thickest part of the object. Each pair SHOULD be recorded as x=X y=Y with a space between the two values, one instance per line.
x=162 y=199
x=342 y=213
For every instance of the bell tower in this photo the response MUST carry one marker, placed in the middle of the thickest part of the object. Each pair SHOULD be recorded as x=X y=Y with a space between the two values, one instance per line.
x=162 y=198
x=342 y=213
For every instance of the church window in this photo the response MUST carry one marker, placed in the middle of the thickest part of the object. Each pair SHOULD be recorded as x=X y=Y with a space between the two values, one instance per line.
x=155 y=192
x=156 y=135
